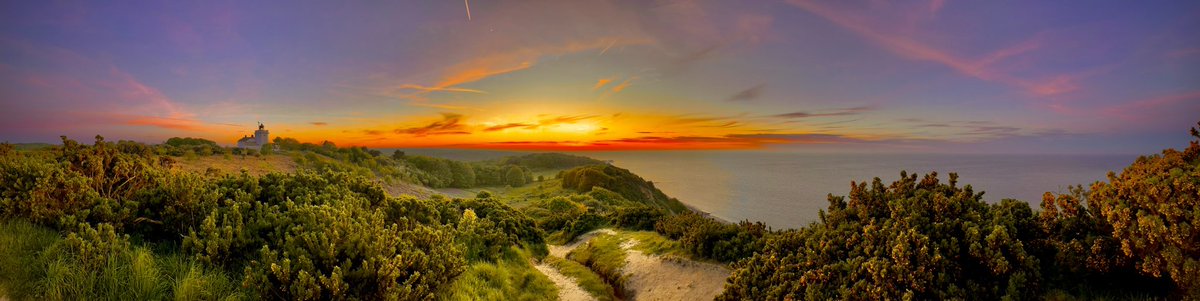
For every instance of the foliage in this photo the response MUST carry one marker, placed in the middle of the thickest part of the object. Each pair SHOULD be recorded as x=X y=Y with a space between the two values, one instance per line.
x=438 y=173
x=704 y=237
x=1153 y=209
x=588 y=280
x=604 y=255
x=912 y=239
x=548 y=161
x=511 y=277
x=98 y=264
x=314 y=234
x=622 y=182
x=177 y=146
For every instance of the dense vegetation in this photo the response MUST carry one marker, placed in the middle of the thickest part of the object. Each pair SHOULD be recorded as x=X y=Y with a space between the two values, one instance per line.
x=115 y=221
x=619 y=180
x=917 y=238
x=308 y=235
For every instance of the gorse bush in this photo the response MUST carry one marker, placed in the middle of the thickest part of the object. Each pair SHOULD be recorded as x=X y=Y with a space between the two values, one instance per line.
x=707 y=238
x=313 y=234
x=912 y=239
x=1154 y=209
x=1136 y=235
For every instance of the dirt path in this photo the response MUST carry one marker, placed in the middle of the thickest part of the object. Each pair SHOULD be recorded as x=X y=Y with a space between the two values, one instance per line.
x=568 y=290
x=653 y=278
x=561 y=251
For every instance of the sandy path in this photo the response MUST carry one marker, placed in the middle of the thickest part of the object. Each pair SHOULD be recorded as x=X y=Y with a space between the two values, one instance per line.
x=568 y=290
x=561 y=251
x=653 y=278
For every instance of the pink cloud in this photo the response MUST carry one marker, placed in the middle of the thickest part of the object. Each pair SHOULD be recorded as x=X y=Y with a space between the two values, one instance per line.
x=1146 y=109
x=908 y=47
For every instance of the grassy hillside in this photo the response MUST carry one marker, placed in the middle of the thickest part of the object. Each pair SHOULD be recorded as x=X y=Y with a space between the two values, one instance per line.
x=191 y=220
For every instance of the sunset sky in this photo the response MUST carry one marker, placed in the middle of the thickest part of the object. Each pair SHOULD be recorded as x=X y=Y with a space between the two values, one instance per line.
x=919 y=76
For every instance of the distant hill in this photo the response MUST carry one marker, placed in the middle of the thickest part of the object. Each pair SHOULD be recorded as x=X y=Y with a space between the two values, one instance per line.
x=545 y=161
x=31 y=146
x=629 y=185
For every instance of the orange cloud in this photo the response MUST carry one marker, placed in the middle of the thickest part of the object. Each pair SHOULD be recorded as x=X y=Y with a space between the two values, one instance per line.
x=735 y=141
x=600 y=83
x=507 y=126
x=498 y=63
x=166 y=123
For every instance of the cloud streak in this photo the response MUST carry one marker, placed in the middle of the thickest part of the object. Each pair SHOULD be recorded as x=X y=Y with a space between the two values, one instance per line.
x=833 y=113
x=449 y=125
x=910 y=48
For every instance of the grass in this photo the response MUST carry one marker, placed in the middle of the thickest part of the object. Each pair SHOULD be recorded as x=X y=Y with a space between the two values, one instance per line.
x=604 y=255
x=520 y=197
x=652 y=243
x=512 y=277
x=37 y=266
x=588 y=280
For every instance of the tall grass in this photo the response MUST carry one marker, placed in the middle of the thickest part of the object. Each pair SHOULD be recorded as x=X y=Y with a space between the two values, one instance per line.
x=588 y=280
x=604 y=255
x=34 y=265
x=511 y=277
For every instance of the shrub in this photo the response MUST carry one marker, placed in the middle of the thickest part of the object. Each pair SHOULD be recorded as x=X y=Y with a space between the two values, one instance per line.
x=1153 y=208
x=912 y=239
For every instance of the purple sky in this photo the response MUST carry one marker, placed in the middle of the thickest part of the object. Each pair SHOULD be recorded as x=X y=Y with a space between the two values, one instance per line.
x=917 y=76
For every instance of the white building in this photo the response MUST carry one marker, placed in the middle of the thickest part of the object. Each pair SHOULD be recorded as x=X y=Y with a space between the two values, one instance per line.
x=261 y=137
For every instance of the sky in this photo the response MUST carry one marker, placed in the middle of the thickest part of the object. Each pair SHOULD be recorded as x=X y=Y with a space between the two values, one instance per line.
x=795 y=75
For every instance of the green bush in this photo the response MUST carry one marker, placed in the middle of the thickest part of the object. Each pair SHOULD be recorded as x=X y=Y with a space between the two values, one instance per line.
x=705 y=237
x=1153 y=209
x=912 y=239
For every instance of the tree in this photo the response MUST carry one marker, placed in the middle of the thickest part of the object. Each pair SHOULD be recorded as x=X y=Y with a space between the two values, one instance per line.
x=268 y=149
x=514 y=176
x=397 y=155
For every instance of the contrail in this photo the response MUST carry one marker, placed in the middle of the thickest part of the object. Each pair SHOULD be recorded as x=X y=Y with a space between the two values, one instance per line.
x=468 y=4
x=610 y=45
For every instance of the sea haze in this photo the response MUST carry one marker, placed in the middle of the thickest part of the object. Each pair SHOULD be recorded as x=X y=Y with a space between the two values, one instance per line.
x=786 y=190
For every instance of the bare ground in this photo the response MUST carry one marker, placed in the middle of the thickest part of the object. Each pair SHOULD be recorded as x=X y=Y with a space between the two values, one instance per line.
x=656 y=278
x=568 y=289
x=652 y=277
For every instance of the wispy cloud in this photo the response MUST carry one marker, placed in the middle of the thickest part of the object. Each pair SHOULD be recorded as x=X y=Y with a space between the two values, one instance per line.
x=506 y=126
x=749 y=94
x=908 y=47
x=1153 y=107
x=449 y=125
x=831 y=113
x=318 y=123
x=601 y=83
x=504 y=62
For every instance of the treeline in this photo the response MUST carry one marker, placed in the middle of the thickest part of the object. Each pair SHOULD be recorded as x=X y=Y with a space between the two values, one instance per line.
x=438 y=173
x=1136 y=235
x=549 y=161
x=304 y=236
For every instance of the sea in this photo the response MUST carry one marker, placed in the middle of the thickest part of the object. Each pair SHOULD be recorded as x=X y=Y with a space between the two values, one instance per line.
x=787 y=190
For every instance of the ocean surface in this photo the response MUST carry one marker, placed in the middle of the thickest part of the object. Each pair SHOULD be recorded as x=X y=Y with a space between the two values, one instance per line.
x=786 y=190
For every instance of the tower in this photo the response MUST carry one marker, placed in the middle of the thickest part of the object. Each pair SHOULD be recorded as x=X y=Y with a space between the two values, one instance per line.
x=262 y=136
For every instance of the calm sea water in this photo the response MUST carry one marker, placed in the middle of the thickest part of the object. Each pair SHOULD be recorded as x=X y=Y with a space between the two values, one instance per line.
x=786 y=190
